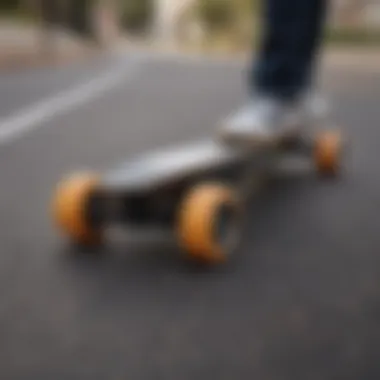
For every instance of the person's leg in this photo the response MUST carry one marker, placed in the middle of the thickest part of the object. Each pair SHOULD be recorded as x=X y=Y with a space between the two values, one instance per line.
x=291 y=37
x=283 y=73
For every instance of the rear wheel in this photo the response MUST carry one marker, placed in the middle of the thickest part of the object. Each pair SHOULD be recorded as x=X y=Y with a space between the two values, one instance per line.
x=327 y=152
x=70 y=208
x=208 y=223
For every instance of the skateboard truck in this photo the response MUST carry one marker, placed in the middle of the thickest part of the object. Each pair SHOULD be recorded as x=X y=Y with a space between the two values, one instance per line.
x=199 y=191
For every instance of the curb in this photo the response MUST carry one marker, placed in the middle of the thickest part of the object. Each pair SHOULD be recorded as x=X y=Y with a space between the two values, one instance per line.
x=21 y=60
x=350 y=57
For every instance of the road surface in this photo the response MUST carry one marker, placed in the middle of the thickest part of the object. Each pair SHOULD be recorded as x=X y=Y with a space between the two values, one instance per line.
x=301 y=302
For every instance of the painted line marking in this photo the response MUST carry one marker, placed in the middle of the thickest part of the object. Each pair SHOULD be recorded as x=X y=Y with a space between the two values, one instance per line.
x=30 y=118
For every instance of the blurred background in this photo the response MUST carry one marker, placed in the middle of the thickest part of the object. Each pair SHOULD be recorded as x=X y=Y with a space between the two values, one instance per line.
x=302 y=301
x=51 y=28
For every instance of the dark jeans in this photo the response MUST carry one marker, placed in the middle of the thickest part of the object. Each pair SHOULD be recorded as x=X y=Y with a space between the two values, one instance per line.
x=291 y=37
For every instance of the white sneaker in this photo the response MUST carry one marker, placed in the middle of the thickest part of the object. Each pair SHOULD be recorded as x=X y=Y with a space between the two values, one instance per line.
x=315 y=108
x=268 y=117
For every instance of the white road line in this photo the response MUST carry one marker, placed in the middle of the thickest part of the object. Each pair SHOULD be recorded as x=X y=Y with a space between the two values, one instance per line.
x=34 y=116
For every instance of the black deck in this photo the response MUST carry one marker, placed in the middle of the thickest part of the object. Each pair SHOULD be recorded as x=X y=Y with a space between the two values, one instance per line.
x=170 y=165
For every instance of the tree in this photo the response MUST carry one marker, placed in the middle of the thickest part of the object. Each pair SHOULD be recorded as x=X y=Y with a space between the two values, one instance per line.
x=136 y=14
x=215 y=15
x=9 y=5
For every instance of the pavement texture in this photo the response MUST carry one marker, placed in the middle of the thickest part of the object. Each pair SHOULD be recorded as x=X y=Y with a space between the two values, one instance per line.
x=301 y=300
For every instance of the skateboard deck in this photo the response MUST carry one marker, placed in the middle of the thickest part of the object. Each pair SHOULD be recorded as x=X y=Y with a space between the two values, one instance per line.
x=167 y=166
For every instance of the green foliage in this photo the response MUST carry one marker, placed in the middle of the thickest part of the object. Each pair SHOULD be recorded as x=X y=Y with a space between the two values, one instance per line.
x=216 y=15
x=16 y=10
x=9 y=5
x=136 y=14
x=248 y=7
x=228 y=22
x=77 y=16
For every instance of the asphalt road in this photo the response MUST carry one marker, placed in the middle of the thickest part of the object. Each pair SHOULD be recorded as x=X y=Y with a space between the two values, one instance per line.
x=301 y=302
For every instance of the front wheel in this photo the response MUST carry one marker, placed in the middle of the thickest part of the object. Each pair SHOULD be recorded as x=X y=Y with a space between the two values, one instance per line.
x=208 y=223
x=328 y=148
x=70 y=208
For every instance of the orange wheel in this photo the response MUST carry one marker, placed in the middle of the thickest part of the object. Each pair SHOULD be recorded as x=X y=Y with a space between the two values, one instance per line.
x=207 y=223
x=327 y=153
x=69 y=207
